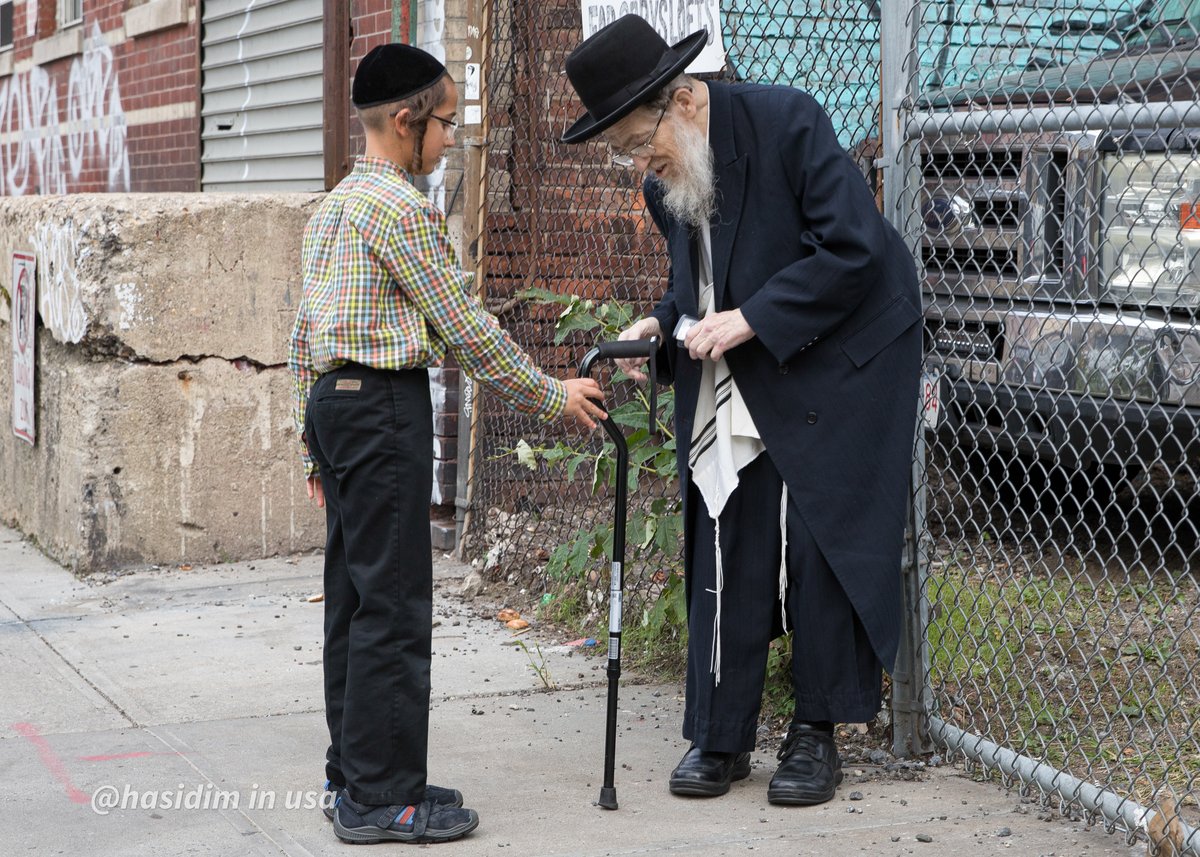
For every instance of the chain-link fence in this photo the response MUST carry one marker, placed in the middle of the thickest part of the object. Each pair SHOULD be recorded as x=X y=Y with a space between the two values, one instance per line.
x=560 y=224
x=1041 y=156
x=1053 y=183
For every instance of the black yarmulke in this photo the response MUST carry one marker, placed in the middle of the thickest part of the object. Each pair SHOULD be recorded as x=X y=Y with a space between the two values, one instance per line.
x=393 y=72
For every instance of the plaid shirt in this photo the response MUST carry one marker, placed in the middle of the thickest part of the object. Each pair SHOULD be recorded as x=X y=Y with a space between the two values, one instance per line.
x=383 y=287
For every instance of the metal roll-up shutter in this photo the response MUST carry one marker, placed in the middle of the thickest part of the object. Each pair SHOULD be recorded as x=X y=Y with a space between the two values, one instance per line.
x=261 y=96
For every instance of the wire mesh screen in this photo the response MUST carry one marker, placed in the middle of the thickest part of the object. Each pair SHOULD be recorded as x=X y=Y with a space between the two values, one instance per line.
x=562 y=220
x=1055 y=191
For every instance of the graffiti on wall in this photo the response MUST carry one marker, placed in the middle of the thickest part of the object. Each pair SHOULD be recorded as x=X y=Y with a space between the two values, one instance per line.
x=57 y=247
x=45 y=143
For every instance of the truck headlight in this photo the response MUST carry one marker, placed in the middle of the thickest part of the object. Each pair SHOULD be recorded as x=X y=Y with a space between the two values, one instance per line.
x=1150 y=238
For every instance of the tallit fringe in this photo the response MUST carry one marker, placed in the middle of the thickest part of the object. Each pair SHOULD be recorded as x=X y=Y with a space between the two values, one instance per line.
x=715 y=658
x=783 y=575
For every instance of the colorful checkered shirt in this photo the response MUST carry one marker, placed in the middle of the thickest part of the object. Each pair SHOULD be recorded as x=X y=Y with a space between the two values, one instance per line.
x=383 y=287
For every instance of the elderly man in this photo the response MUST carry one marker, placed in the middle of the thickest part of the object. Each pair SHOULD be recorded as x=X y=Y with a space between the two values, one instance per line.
x=796 y=395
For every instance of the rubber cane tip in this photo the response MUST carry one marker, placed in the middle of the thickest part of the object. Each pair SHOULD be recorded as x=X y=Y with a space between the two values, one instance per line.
x=608 y=797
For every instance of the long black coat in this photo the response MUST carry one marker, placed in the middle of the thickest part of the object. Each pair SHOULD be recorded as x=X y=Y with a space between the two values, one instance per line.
x=830 y=290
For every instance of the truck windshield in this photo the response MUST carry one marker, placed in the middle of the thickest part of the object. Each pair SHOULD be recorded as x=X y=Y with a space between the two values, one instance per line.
x=1170 y=22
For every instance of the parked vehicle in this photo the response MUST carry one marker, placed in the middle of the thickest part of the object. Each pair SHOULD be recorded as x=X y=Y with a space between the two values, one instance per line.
x=1062 y=272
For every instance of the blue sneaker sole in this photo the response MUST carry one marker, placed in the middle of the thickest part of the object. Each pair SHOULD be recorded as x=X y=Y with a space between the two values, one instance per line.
x=370 y=835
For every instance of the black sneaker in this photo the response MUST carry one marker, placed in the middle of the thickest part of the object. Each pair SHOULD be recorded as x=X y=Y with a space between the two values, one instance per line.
x=426 y=822
x=435 y=794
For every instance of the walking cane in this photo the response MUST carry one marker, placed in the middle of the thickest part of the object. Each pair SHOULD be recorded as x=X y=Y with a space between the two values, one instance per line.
x=616 y=581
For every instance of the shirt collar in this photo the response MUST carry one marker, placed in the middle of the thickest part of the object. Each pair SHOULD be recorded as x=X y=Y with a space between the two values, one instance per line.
x=383 y=166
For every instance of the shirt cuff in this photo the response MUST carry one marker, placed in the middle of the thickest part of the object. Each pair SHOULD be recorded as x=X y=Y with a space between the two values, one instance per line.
x=310 y=466
x=553 y=403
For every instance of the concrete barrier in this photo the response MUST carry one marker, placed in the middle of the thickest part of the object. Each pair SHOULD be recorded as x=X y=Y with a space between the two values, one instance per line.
x=163 y=411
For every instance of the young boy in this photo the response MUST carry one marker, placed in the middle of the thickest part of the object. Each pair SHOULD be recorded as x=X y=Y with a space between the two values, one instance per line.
x=384 y=298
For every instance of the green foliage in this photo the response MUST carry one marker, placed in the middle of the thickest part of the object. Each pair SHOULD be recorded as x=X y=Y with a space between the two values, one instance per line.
x=538 y=664
x=652 y=531
x=778 y=701
x=569 y=561
x=566 y=604
x=657 y=643
x=670 y=609
x=582 y=314
x=1068 y=664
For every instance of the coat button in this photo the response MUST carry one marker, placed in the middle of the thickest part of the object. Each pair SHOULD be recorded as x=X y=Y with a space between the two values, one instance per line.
x=812 y=418
x=783 y=368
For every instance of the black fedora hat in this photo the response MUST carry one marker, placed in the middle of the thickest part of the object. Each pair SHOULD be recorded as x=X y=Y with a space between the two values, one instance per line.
x=620 y=67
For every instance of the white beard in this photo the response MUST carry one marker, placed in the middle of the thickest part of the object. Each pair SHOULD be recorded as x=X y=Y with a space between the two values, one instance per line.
x=691 y=194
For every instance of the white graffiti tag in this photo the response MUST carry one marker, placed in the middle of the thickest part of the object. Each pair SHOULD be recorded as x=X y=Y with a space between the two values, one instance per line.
x=34 y=157
x=60 y=301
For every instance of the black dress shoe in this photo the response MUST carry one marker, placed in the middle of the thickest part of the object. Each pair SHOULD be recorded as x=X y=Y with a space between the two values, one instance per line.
x=701 y=773
x=809 y=768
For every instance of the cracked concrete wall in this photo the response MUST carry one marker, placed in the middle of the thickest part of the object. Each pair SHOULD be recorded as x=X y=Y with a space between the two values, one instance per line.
x=164 y=431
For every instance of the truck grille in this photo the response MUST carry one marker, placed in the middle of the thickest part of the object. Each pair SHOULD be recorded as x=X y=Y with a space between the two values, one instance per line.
x=993 y=213
x=964 y=263
x=972 y=164
x=963 y=339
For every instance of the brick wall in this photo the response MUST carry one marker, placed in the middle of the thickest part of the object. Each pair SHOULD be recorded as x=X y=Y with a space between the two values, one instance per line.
x=112 y=103
x=560 y=217
x=372 y=25
x=107 y=104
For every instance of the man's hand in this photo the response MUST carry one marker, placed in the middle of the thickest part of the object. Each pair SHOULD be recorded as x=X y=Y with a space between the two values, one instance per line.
x=643 y=329
x=717 y=333
x=316 y=491
x=583 y=395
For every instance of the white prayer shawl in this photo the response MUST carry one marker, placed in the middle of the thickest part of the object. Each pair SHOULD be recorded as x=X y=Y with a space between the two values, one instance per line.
x=724 y=440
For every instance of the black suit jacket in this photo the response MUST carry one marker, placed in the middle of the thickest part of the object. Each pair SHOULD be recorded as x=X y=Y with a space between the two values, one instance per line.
x=830 y=290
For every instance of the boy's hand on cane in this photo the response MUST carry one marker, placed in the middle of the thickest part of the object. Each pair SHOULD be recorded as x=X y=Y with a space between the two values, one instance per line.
x=583 y=397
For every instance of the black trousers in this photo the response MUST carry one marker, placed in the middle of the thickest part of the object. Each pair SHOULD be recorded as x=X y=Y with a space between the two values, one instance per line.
x=371 y=434
x=835 y=673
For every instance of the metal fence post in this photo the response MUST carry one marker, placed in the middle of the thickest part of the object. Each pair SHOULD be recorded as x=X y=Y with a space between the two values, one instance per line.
x=911 y=693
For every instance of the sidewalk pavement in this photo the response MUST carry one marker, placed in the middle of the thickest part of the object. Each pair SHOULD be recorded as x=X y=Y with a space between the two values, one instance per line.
x=202 y=688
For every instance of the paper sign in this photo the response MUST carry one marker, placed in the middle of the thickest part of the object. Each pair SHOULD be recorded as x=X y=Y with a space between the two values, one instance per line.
x=24 y=302
x=674 y=20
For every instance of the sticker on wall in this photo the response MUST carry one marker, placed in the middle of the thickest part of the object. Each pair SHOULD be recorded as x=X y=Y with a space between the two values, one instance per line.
x=472 y=82
x=24 y=305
